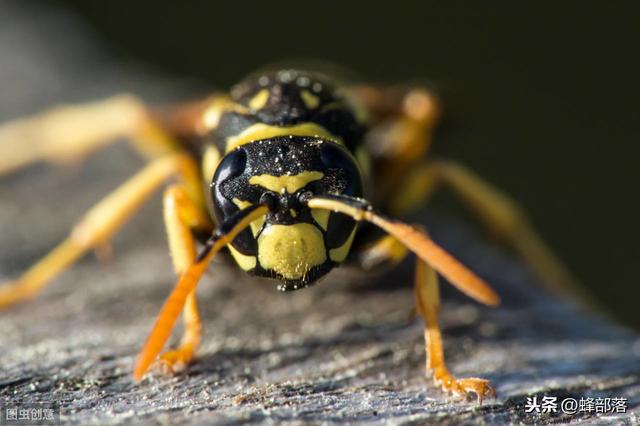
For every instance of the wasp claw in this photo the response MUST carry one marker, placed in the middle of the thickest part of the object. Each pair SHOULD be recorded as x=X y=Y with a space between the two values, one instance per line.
x=464 y=387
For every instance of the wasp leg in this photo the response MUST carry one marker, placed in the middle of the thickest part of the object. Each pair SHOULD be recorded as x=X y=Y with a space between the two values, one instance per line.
x=427 y=295
x=386 y=249
x=405 y=118
x=500 y=214
x=70 y=132
x=431 y=258
x=188 y=281
x=181 y=216
x=100 y=223
x=403 y=123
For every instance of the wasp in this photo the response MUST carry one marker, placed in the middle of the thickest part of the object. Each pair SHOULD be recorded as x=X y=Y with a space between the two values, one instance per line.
x=290 y=172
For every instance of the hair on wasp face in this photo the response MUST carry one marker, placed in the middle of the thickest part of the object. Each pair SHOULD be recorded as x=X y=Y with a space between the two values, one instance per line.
x=292 y=242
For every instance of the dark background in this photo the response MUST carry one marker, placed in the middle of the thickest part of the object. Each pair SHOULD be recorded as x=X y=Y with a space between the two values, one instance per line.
x=542 y=100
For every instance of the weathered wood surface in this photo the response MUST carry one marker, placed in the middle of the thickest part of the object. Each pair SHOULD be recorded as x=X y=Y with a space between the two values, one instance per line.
x=343 y=351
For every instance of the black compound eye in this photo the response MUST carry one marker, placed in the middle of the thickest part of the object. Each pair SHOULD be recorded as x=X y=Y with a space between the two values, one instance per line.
x=346 y=176
x=230 y=167
x=336 y=159
x=225 y=187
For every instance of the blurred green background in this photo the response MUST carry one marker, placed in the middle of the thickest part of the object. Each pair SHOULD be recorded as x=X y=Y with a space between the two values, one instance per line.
x=542 y=99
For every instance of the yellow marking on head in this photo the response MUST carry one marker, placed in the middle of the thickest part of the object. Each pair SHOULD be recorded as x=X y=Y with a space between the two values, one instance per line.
x=291 y=250
x=321 y=216
x=285 y=183
x=334 y=105
x=363 y=159
x=339 y=254
x=293 y=213
x=256 y=225
x=260 y=131
x=210 y=161
x=310 y=100
x=245 y=262
x=211 y=116
x=242 y=204
x=259 y=100
x=219 y=105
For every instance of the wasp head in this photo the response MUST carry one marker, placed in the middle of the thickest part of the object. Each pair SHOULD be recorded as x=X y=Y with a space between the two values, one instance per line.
x=292 y=243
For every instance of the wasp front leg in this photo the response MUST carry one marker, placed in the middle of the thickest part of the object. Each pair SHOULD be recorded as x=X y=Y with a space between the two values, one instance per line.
x=427 y=295
x=182 y=215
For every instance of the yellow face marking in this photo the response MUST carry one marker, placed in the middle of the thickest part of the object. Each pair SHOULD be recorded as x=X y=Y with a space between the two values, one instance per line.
x=219 y=105
x=321 y=216
x=264 y=131
x=310 y=100
x=339 y=254
x=210 y=161
x=259 y=100
x=293 y=213
x=286 y=183
x=245 y=262
x=291 y=250
x=256 y=225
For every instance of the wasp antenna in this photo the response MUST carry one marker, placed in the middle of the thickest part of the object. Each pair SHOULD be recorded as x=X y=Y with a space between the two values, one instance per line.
x=169 y=313
x=415 y=240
